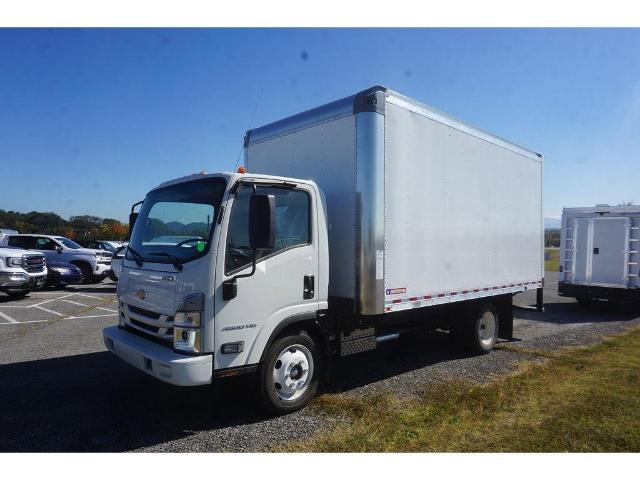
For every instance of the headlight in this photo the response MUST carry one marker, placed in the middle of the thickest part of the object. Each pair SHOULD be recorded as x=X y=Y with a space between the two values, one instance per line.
x=187 y=340
x=187 y=324
x=187 y=319
x=14 y=261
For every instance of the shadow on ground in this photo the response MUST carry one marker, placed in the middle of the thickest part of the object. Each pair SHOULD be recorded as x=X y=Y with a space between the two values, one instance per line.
x=95 y=402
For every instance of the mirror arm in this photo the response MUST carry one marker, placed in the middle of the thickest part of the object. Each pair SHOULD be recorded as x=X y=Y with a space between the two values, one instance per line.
x=230 y=287
x=250 y=274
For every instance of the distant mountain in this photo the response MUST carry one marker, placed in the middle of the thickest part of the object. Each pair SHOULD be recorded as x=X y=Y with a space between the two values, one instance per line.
x=551 y=223
x=178 y=227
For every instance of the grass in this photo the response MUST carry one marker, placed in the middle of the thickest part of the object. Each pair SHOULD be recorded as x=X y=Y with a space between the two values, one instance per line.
x=551 y=259
x=580 y=400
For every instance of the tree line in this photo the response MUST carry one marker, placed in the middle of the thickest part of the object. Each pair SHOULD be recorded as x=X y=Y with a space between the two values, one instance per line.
x=77 y=227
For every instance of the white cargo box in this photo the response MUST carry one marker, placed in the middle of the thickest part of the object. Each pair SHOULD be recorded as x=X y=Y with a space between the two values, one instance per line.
x=423 y=209
x=599 y=246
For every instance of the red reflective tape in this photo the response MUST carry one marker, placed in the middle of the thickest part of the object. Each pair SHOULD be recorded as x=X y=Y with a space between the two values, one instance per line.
x=441 y=294
x=397 y=300
x=427 y=297
x=485 y=288
x=476 y=289
x=453 y=293
x=413 y=299
x=464 y=292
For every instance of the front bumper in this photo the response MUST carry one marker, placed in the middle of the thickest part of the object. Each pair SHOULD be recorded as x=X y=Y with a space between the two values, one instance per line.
x=159 y=361
x=21 y=281
x=102 y=269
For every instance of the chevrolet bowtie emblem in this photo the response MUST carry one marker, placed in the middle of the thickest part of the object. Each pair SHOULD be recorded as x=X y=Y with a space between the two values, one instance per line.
x=141 y=294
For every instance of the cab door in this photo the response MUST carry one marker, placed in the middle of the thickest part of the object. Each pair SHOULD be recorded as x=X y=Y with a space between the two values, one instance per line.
x=283 y=285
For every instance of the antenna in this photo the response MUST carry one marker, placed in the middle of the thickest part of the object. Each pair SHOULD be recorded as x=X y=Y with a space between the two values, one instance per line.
x=255 y=108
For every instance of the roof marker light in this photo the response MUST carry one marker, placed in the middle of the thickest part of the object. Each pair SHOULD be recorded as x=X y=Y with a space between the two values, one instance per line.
x=241 y=169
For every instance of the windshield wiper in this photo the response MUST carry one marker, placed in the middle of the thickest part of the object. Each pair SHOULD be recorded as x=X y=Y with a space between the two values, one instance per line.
x=136 y=256
x=176 y=263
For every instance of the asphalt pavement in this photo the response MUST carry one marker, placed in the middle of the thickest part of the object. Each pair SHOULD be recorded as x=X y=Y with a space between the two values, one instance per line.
x=60 y=390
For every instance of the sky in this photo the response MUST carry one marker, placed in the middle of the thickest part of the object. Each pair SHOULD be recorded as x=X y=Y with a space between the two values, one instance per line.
x=92 y=119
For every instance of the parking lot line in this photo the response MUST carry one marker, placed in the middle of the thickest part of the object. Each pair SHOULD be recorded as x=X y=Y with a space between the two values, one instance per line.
x=8 y=318
x=93 y=316
x=47 y=310
x=91 y=296
x=75 y=303
x=106 y=309
x=52 y=300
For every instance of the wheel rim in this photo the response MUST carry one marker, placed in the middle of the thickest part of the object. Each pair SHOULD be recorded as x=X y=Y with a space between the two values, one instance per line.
x=487 y=329
x=292 y=372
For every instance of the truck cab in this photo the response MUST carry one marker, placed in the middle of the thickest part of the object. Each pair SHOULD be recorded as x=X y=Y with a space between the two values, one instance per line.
x=217 y=268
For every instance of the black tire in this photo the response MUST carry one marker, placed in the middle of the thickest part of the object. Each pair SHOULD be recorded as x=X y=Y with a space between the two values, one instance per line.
x=271 y=399
x=481 y=329
x=585 y=302
x=17 y=295
x=87 y=272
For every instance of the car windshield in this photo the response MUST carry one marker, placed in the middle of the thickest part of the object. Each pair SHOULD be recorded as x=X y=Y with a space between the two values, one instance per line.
x=176 y=222
x=107 y=246
x=68 y=243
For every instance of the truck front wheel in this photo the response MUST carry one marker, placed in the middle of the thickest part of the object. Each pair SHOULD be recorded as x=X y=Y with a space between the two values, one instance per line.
x=290 y=373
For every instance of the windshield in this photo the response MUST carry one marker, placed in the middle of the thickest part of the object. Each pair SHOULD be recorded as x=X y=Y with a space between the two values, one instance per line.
x=68 y=243
x=108 y=247
x=176 y=222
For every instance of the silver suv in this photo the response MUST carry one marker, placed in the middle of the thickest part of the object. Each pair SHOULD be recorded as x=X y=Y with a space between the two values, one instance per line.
x=94 y=264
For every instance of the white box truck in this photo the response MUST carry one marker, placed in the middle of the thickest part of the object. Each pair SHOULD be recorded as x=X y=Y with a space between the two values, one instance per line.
x=599 y=253
x=353 y=223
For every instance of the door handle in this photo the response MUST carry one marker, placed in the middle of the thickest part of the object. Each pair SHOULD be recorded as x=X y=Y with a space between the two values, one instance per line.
x=596 y=251
x=308 y=287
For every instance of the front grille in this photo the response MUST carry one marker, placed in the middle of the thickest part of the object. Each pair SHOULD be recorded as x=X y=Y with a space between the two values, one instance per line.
x=34 y=263
x=144 y=326
x=149 y=323
x=146 y=313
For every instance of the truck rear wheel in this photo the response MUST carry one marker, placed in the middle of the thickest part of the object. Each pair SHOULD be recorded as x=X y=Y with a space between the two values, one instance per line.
x=290 y=373
x=481 y=331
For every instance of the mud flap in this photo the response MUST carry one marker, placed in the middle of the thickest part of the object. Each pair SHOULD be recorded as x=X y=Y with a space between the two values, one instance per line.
x=505 y=318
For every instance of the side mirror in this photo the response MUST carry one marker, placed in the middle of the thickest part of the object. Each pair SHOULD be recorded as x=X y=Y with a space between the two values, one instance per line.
x=262 y=221
x=132 y=220
x=58 y=249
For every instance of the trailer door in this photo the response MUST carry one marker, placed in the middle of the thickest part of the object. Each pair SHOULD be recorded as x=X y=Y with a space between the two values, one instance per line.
x=609 y=251
x=582 y=229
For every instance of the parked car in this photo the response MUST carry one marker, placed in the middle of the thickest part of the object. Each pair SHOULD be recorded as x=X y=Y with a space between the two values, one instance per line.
x=107 y=245
x=61 y=274
x=94 y=264
x=21 y=271
x=116 y=263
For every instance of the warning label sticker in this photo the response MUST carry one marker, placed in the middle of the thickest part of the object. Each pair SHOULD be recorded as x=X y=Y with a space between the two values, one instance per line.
x=396 y=291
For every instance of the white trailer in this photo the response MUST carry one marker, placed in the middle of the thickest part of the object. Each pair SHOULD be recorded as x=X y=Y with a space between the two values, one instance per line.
x=599 y=253
x=353 y=223
x=422 y=208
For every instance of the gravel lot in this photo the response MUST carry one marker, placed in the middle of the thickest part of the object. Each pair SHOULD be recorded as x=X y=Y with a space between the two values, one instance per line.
x=62 y=391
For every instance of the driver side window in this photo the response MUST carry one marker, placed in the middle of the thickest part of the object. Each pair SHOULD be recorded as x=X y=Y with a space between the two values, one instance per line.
x=293 y=225
x=45 y=244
